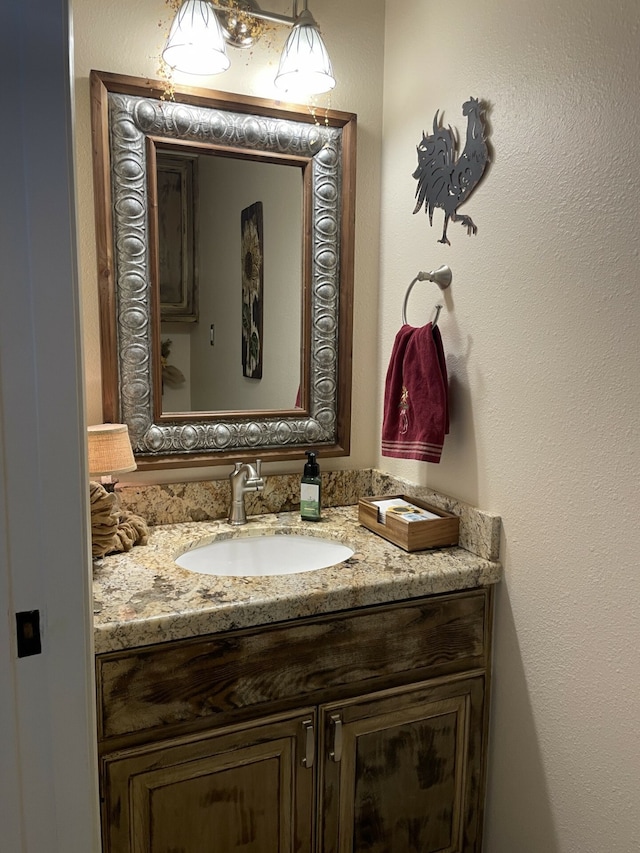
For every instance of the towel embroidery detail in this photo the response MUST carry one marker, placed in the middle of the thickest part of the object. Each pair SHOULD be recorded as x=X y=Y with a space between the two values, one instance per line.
x=404 y=410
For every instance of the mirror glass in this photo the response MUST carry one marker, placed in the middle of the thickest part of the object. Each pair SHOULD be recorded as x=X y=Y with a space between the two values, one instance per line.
x=225 y=260
x=230 y=232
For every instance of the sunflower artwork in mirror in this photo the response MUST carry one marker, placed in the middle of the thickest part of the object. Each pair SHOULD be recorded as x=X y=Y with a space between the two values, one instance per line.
x=252 y=251
x=244 y=173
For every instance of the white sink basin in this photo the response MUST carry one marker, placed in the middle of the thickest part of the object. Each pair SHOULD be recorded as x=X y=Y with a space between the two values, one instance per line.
x=250 y=556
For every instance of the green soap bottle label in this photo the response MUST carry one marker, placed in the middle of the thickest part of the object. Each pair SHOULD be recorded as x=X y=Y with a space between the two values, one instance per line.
x=310 y=500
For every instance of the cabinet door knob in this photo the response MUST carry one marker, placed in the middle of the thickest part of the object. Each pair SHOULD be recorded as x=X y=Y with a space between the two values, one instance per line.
x=336 y=752
x=309 y=743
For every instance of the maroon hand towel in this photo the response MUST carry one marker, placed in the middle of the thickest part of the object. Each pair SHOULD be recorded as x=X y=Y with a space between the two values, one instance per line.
x=416 y=410
x=437 y=339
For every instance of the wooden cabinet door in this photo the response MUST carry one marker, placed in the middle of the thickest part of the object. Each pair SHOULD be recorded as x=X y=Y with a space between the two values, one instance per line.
x=402 y=771
x=247 y=788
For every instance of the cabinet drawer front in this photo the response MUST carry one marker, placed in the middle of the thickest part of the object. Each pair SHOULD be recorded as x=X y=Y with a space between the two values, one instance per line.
x=346 y=653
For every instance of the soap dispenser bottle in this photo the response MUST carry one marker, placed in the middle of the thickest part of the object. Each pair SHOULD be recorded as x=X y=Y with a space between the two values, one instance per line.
x=310 y=489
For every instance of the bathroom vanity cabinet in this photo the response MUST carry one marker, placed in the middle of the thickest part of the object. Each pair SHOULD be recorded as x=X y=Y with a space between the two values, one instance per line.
x=362 y=730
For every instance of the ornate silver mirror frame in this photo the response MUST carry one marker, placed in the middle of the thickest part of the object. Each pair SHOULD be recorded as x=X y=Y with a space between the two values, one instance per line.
x=126 y=113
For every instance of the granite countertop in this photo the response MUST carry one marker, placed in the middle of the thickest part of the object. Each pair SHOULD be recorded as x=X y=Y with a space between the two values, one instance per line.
x=143 y=597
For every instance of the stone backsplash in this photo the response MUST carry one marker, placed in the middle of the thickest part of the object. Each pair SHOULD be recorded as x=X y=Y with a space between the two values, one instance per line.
x=209 y=500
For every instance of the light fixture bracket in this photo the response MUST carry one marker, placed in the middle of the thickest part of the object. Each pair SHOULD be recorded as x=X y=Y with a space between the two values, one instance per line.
x=236 y=32
x=240 y=23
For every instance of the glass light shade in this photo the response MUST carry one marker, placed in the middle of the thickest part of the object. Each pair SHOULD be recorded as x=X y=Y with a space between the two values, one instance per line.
x=305 y=67
x=196 y=43
x=109 y=450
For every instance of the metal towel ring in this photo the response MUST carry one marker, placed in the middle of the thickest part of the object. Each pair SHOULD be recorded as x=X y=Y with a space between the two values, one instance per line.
x=442 y=277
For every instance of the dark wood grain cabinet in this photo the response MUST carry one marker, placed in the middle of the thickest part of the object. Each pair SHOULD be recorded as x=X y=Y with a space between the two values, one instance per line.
x=407 y=775
x=241 y=789
x=358 y=731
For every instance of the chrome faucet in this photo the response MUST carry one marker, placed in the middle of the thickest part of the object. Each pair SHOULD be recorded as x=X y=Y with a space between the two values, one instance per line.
x=244 y=478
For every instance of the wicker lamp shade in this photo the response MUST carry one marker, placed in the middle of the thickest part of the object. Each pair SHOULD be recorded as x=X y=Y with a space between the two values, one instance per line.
x=109 y=450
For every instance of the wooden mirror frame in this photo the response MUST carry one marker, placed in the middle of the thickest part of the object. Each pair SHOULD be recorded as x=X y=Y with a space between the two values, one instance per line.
x=126 y=113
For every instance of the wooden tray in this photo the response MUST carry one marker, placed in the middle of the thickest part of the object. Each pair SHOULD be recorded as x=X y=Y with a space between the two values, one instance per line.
x=410 y=535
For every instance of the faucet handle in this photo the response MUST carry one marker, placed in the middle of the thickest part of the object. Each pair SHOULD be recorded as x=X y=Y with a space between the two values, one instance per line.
x=258 y=466
x=238 y=466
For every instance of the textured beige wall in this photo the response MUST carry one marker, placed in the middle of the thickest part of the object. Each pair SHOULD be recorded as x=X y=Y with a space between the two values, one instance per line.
x=541 y=332
x=125 y=37
x=542 y=349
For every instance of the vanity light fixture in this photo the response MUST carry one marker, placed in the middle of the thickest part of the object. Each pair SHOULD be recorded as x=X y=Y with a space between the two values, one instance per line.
x=196 y=43
x=109 y=452
x=305 y=67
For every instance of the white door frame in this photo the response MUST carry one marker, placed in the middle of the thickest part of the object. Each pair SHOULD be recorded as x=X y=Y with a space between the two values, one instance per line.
x=48 y=765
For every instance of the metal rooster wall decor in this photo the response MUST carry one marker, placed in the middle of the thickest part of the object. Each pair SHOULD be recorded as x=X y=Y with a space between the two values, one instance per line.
x=446 y=180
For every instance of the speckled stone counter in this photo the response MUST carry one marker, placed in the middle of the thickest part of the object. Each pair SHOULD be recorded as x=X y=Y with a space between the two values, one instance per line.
x=143 y=597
